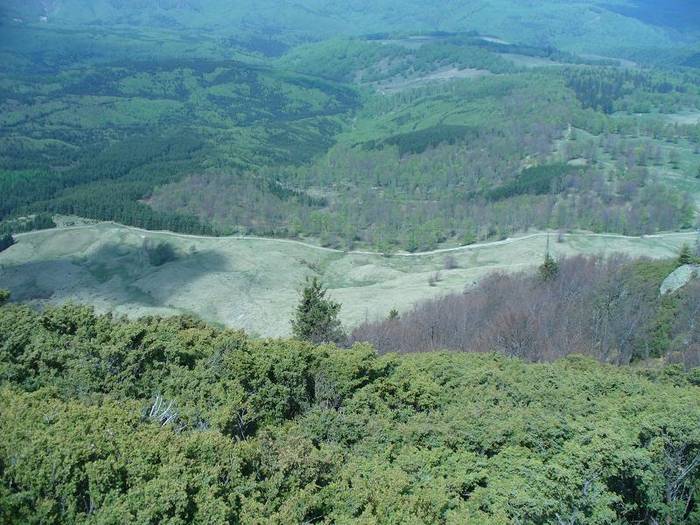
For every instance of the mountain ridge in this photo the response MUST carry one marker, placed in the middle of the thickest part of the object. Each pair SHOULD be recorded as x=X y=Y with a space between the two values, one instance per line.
x=586 y=25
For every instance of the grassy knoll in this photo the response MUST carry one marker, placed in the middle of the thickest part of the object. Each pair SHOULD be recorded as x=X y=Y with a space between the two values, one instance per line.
x=252 y=283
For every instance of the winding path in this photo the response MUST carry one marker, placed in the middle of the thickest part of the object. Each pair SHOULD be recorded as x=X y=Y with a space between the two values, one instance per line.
x=509 y=240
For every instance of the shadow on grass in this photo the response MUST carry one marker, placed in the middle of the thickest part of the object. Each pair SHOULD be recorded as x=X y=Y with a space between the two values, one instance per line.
x=108 y=274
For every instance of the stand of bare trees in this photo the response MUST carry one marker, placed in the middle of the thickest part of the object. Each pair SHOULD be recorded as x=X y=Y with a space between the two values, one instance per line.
x=594 y=306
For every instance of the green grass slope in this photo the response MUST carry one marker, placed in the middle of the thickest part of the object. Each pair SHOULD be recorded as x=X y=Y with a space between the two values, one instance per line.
x=253 y=283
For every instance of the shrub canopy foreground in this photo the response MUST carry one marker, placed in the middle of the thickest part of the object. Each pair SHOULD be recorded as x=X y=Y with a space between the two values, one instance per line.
x=172 y=421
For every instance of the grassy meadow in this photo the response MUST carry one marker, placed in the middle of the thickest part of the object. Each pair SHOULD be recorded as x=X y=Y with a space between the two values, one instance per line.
x=253 y=283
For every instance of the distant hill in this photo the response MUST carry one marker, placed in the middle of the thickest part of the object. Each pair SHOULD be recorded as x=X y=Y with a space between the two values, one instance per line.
x=396 y=125
x=677 y=14
x=586 y=25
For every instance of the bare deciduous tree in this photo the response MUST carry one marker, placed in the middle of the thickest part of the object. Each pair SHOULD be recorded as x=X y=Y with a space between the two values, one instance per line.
x=591 y=307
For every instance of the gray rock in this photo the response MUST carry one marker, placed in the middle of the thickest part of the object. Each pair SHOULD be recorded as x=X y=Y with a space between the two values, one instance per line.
x=680 y=278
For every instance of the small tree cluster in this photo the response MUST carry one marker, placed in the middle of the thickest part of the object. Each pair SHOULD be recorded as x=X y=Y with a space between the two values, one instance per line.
x=160 y=253
x=686 y=256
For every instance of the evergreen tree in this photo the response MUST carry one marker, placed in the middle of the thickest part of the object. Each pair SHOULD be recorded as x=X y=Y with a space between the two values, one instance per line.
x=6 y=241
x=549 y=269
x=316 y=317
x=685 y=256
x=4 y=297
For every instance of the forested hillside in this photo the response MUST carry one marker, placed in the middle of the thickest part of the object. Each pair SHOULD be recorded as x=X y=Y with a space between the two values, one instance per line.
x=483 y=158
x=105 y=420
x=589 y=24
x=477 y=220
x=443 y=138
x=395 y=127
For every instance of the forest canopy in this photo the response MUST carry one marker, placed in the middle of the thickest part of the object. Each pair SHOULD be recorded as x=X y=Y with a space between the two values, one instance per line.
x=440 y=135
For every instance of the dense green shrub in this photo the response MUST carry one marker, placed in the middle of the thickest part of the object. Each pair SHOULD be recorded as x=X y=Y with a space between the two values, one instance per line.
x=287 y=432
x=160 y=253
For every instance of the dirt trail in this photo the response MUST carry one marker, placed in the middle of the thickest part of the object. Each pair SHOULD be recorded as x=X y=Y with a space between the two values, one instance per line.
x=359 y=252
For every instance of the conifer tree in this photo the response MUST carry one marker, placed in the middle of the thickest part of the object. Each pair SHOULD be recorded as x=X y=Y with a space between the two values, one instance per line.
x=316 y=317
x=549 y=269
x=6 y=241
x=685 y=256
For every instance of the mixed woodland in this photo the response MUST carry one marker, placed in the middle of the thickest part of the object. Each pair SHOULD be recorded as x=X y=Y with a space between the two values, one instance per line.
x=569 y=395
x=392 y=141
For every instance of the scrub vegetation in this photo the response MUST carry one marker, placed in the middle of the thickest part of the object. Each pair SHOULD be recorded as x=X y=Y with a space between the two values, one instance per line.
x=470 y=225
x=175 y=421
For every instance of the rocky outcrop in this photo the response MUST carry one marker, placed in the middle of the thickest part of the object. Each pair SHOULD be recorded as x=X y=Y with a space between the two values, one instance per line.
x=679 y=278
